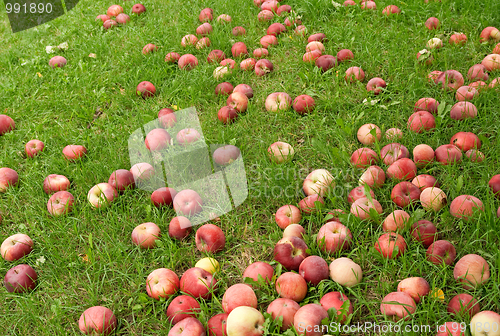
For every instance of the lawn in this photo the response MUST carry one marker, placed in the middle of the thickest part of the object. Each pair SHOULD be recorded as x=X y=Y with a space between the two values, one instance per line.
x=86 y=258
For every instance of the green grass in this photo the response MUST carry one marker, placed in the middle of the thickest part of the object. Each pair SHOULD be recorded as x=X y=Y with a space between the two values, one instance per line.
x=87 y=258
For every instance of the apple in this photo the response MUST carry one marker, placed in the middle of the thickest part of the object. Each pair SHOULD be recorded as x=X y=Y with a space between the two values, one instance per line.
x=424 y=181
x=228 y=63
x=208 y=264
x=462 y=304
x=458 y=39
x=33 y=147
x=102 y=17
x=477 y=72
x=216 y=325
x=466 y=141
x=145 y=89
x=325 y=62
x=405 y=193
x=101 y=194
x=434 y=75
x=489 y=33
x=320 y=37
x=337 y=300
x=198 y=283
x=426 y=104
x=368 y=5
x=145 y=235
x=474 y=155
x=179 y=227
x=290 y=252
x=20 y=278
x=391 y=9
x=496 y=50
x=8 y=178
x=226 y=155
x=188 y=326
x=259 y=269
x=120 y=179
x=424 y=231
x=402 y=169
x=216 y=56
x=311 y=56
x=278 y=101
x=479 y=85
x=363 y=157
x=375 y=84
x=280 y=152
x=122 y=18
x=204 y=29
x=210 y=238
x=354 y=74
x=109 y=23
x=433 y=198
x=276 y=29
x=373 y=176
x=157 y=139
x=245 y=321
x=463 y=206
x=463 y=110
x=345 y=55
x=237 y=31
x=7 y=124
x=182 y=307
x=271 y=5
x=485 y=323
x=138 y=9
x=494 y=184
x=357 y=193
x=221 y=72
x=434 y=43
x=203 y=43
x=287 y=215
x=396 y=221
x=349 y=3
x=268 y=40
x=315 y=45
x=393 y=134
x=238 y=101
x=333 y=237
x=74 y=152
x=423 y=155
x=345 y=272
x=308 y=320
x=494 y=83
x=260 y=52
x=392 y=152
x=16 y=246
x=291 y=286
x=441 y=251
x=59 y=61
x=472 y=271
x=60 y=203
x=98 y=319
x=245 y=89
x=368 y=137
x=163 y=196
x=187 y=136
x=55 y=182
x=114 y=10
x=239 y=295
x=187 y=62
x=432 y=23
x=425 y=56
x=265 y=15
x=148 y=48
x=303 y=104
x=319 y=181
x=294 y=230
x=421 y=121
x=142 y=171
x=167 y=117
x=263 y=67
x=290 y=21
x=391 y=245
x=239 y=49
x=362 y=207
x=398 y=304
x=283 y=9
x=314 y=269
x=450 y=79
x=206 y=14
x=189 y=40
x=285 y=308
x=188 y=202
x=448 y=154
x=416 y=287
x=248 y=64
x=227 y=114
x=491 y=62
x=162 y=282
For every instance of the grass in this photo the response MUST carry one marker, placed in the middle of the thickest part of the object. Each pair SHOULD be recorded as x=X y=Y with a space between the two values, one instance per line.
x=87 y=258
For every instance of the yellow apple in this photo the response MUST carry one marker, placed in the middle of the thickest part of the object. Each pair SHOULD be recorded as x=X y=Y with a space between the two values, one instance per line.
x=208 y=264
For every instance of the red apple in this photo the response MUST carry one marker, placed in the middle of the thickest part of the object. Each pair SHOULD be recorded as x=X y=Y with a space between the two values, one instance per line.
x=471 y=271
x=448 y=154
x=405 y=193
x=120 y=179
x=362 y=207
x=182 y=307
x=325 y=62
x=7 y=124
x=237 y=31
x=340 y=302
x=392 y=152
x=227 y=114
x=464 y=206
x=198 y=283
x=33 y=147
x=167 y=117
x=114 y=10
x=368 y=137
x=494 y=184
x=373 y=176
x=265 y=15
x=142 y=171
x=148 y=48
x=16 y=246
x=344 y=55
x=291 y=286
x=8 y=178
x=239 y=49
x=238 y=295
x=248 y=64
x=477 y=72
x=145 y=235
x=276 y=29
x=463 y=110
x=210 y=238
x=368 y=5
x=286 y=215
x=402 y=169
x=424 y=231
x=333 y=237
x=424 y=181
x=187 y=202
x=427 y=104
x=479 y=85
x=375 y=84
x=441 y=251
x=179 y=227
x=391 y=9
x=398 y=304
x=60 y=203
x=268 y=40
x=357 y=193
x=260 y=52
x=466 y=141
x=188 y=326
x=491 y=62
x=54 y=182
x=106 y=24
x=216 y=56
x=216 y=325
x=283 y=9
x=74 y=152
x=320 y=37
x=393 y=134
x=308 y=320
x=433 y=198
x=311 y=203
x=391 y=245
x=303 y=104
x=20 y=278
x=101 y=195
x=157 y=139
x=145 y=89
x=187 y=136
x=226 y=155
x=271 y=5
x=228 y=63
x=421 y=121
x=474 y=155
x=432 y=23
x=259 y=269
x=458 y=39
x=245 y=89
x=396 y=221
x=122 y=18
x=290 y=252
x=285 y=308
x=162 y=282
x=163 y=196
x=99 y=320
x=423 y=155
x=206 y=14
x=204 y=29
x=416 y=287
x=450 y=79
x=434 y=75
x=462 y=304
x=187 y=62
x=314 y=269
x=102 y=17
x=238 y=101
x=263 y=67
x=138 y=9
x=364 y=157
x=354 y=73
